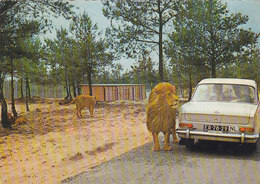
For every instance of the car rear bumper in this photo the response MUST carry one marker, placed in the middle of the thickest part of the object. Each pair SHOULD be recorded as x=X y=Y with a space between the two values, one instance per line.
x=214 y=136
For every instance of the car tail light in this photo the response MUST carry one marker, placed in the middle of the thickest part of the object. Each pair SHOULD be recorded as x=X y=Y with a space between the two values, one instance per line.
x=244 y=129
x=185 y=125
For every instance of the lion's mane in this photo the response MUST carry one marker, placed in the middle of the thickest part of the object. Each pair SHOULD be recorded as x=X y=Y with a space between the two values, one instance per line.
x=160 y=113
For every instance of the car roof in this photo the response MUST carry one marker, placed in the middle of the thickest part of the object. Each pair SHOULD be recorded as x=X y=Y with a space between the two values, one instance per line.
x=228 y=81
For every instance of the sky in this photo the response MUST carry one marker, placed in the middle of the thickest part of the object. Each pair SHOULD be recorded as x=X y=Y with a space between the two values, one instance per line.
x=247 y=7
x=94 y=10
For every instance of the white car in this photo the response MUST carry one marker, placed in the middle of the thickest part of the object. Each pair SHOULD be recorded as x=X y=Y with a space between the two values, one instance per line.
x=221 y=109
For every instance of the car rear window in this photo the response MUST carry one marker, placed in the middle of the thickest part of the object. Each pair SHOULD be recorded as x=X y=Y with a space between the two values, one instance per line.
x=224 y=93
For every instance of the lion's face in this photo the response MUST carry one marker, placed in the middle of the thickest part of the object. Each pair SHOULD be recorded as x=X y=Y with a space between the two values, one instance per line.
x=172 y=99
x=167 y=92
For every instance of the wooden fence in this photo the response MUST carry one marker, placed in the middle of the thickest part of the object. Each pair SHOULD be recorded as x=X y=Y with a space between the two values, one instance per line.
x=114 y=92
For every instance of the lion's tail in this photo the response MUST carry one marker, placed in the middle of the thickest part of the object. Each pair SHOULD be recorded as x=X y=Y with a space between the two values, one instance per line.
x=73 y=100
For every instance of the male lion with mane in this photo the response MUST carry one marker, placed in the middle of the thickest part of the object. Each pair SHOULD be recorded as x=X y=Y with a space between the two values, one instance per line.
x=161 y=114
x=83 y=101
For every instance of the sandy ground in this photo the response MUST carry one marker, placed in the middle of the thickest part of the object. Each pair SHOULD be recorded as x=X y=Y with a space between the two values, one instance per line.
x=55 y=144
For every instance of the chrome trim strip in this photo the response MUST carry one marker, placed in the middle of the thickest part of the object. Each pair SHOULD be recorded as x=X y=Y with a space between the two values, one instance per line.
x=187 y=133
x=242 y=137
x=255 y=136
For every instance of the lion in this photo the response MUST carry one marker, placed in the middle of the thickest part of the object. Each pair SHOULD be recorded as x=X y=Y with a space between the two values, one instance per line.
x=20 y=120
x=83 y=101
x=161 y=114
x=16 y=120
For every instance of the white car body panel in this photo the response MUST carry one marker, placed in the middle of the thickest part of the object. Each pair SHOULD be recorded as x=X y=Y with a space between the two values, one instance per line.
x=220 y=108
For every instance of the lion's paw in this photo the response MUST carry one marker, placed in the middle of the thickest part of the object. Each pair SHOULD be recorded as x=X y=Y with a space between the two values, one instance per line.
x=156 y=148
x=167 y=148
x=175 y=141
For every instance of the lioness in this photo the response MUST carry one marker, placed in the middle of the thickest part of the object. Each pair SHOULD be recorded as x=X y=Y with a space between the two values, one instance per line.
x=161 y=114
x=83 y=101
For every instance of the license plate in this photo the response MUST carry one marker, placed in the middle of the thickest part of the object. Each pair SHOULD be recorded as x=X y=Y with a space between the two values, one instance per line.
x=218 y=128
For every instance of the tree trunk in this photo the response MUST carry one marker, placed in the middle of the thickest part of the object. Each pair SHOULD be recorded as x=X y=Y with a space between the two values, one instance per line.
x=21 y=86
x=26 y=94
x=213 y=68
x=67 y=85
x=160 y=44
x=12 y=89
x=89 y=80
x=78 y=88
x=74 y=89
x=4 y=118
x=190 y=85
x=89 y=83
x=68 y=91
x=213 y=50
x=180 y=82
x=29 y=89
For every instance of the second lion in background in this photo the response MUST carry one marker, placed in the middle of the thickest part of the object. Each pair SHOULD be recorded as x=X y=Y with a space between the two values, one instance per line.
x=83 y=101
